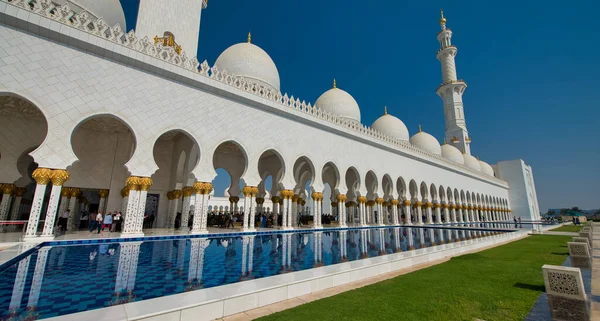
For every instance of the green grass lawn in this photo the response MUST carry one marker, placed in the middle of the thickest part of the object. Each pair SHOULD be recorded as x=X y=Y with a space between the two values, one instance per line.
x=568 y=228
x=501 y=283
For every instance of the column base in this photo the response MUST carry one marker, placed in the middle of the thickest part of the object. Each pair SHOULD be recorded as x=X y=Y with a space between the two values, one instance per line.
x=32 y=239
x=408 y=224
x=128 y=235
x=286 y=228
x=318 y=227
x=199 y=232
x=246 y=230
x=45 y=238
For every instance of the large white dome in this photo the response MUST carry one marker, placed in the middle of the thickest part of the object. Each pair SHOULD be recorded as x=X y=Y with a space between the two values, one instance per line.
x=426 y=142
x=472 y=162
x=392 y=126
x=486 y=168
x=452 y=153
x=339 y=102
x=250 y=61
x=109 y=10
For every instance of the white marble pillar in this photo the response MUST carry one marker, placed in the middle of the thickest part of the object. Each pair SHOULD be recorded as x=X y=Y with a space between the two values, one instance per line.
x=187 y=192
x=438 y=213
x=130 y=224
x=202 y=191
x=294 y=210
x=103 y=193
x=124 y=199
x=252 y=208
x=408 y=219
x=379 y=219
x=395 y=216
x=42 y=178
x=419 y=212
x=19 y=192
x=341 y=205
x=316 y=211
x=449 y=218
x=428 y=212
x=73 y=203
x=275 y=201
x=145 y=183
x=319 y=209
x=58 y=178
x=7 y=191
x=362 y=210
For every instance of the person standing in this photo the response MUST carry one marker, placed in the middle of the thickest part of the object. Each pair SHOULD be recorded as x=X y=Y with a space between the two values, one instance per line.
x=107 y=222
x=117 y=222
x=99 y=220
x=92 y=226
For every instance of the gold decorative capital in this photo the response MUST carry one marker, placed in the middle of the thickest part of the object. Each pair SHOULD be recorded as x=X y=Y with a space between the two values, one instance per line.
x=334 y=204
x=103 y=193
x=379 y=200
x=20 y=191
x=234 y=199
x=145 y=183
x=395 y=202
x=428 y=205
x=133 y=183
x=260 y=200
x=350 y=204
x=406 y=202
x=59 y=177
x=170 y=195
x=176 y=193
x=295 y=198
x=7 y=188
x=445 y=205
x=370 y=203
x=65 y=192
x=75 y=192
x=418 y=204
x=437 y=205
x=42 y=175
x=187 y=191
x=362 y=199
x=341 y=197
x=124 y=192
x=275 y=199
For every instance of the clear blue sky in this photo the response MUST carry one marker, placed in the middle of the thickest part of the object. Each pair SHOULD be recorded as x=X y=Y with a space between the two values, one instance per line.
x=530 y=67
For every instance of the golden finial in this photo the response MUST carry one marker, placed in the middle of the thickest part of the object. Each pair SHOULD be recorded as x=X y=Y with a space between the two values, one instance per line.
x=420 y=130
x=334 y=84
x=442 y=20
x=385 y=110
x=249 y=37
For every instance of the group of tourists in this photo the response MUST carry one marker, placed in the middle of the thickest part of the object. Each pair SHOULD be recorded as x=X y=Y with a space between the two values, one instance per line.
x=111 y=221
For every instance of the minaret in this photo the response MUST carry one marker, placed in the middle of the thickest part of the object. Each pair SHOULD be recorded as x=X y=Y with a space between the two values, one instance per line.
x=175 y=23
x=451 y=91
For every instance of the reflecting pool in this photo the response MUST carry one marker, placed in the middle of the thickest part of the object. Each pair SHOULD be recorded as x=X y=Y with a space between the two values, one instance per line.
x=59 y=280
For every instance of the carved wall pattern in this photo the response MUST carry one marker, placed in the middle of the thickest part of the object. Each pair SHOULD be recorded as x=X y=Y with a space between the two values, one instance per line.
x=578 y=249
x=565 y=283
x=85 y=22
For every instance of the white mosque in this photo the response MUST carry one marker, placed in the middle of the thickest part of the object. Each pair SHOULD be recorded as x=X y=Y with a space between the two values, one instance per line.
x=95 y=117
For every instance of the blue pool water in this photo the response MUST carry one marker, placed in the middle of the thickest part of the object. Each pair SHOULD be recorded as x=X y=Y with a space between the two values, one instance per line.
x=59 y=280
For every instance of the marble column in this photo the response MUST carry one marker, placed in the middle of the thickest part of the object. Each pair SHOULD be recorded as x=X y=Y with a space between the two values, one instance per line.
x=275 y=201
x=362 y=210
x=145 y=183
x=42 y=178
x=407 y=218
x=202 y=191
x=103 y=193
x=294 y=210
x=437 y=210
x=170 y=209
x=58 y=178
x=455 y=217
x=19 y=192
x=7 y=191
x=429 y=213
x=130 y=224
x=379 y=219
x=252 y=208
x=75 y=192
x=316 y=211
x=395 y=218
x=187 y=192
x=419 y=212
x=124 y=199
x=449 y=218
x=341 y=202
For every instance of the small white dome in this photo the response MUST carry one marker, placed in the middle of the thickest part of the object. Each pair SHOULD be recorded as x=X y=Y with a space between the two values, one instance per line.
x=392 y=126
x=426 y=142
x=472 y=162
x=250 y=61
x=109 y=10
x=486 y=168
x=339 y=102
x=452 y=153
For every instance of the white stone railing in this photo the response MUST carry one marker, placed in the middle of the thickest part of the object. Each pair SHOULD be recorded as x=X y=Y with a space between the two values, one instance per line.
x=83 y=21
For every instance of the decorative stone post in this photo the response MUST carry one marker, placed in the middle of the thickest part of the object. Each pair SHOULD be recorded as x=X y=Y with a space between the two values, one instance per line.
x=395 y=219
x=362 y=210
x=19 y=192
x=58 y=178
x=103 y=193
x=438 y=213
x=75 y=192
x=202 y=191
x=579 y=253
x=379 y=202
x=7 y=190
x=145 y=183
x=566 y=293
x=275 y=200
x=294 y=210
x=130 y=224
x=429 y=213
x=418 y=206
x=175 y=195
x=42 y=178
x=185 y=209
x=341 y=202
x=407 y=216
x=124 y=199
